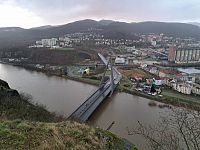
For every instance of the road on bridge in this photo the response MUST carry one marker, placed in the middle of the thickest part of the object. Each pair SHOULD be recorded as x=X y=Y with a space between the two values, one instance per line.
x=83 y=112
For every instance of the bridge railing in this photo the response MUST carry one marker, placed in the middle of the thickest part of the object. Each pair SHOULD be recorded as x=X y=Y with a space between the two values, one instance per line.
x=85 y=102
x=90 y=104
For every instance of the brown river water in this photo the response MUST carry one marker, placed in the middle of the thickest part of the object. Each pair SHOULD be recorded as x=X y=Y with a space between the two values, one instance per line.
x=64 y=96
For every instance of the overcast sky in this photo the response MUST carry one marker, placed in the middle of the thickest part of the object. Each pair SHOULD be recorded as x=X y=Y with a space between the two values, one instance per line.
x=32 y=13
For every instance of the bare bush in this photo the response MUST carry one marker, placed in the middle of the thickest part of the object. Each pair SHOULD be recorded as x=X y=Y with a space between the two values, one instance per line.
x=178 y=131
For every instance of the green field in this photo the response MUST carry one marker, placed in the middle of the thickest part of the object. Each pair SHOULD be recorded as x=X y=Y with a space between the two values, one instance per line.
x=171 y=93
x=66 y=49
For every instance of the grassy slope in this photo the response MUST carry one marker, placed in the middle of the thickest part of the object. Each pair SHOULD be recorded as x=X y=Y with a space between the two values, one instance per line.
x=61 y=136
x=19 y=107
x=43 y=131
x=174 y=94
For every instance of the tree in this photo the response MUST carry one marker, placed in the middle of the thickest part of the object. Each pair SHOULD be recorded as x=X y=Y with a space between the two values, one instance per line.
x=180 y=130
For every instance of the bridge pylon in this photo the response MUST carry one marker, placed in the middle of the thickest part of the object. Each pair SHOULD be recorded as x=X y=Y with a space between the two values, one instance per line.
x=85 y=110
x=112 y=81
x=108 y=65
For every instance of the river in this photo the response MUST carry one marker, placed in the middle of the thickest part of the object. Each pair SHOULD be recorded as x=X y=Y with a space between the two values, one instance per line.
x=63 y=96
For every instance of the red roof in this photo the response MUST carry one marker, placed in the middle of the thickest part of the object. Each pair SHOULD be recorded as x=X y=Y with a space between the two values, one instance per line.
x=181 y=74
x=169 y=71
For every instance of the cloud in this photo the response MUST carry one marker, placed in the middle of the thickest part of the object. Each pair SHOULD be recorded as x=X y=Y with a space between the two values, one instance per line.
x=64 y=11
x=17 y=16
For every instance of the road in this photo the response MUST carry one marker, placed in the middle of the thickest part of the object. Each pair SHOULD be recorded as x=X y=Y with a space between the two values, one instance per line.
x=83 y=112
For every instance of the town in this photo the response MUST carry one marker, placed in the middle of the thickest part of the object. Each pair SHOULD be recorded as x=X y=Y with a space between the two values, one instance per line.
x=145 y=60
x=99 y=75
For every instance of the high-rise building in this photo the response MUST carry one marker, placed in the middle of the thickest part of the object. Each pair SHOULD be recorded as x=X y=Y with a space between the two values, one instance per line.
x=184 y=54
x=172 y=54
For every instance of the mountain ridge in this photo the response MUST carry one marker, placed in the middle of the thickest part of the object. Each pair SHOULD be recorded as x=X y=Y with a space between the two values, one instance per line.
x=16 y=36
x=194 y=23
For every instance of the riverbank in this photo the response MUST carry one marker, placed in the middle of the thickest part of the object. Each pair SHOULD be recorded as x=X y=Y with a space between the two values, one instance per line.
x=165 y=96
x=167 y=99
x=25 y=125
x=18 y=106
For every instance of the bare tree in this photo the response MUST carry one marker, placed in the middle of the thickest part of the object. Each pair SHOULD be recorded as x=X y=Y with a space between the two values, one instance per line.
x=178 y=131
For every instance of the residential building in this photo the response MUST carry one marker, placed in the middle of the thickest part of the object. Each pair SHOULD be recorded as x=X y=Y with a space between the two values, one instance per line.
x=184 y=88
x=154 y=70
x=172 y=54
x=119 y=60
x=153 y=43
x=196 y=89
x=49 y=42
x=184 y=54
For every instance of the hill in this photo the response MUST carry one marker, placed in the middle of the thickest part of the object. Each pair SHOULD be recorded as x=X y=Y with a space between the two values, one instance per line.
x=194 y=23
x=56 y=136
x=25 y=125
x=105 y=22
x=42 y=27
x=17 y=106
x=14 y=37
x=6 y=91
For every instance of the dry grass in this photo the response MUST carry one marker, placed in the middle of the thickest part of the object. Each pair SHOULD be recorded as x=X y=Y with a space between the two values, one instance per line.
x=136 y=72
x=56 y=136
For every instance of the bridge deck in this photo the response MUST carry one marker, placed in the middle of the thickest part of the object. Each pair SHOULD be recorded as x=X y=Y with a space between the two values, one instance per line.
x=84 y=111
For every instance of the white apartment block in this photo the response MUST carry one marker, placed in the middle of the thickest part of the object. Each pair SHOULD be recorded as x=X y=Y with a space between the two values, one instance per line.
x=188 y=55
x=184 y=55
x=49 y=42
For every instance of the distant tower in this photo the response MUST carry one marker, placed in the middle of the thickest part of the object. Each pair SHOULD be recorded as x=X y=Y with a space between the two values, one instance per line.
x=172 y=54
